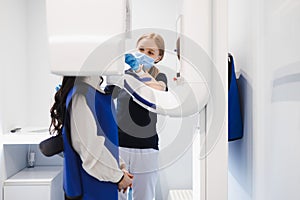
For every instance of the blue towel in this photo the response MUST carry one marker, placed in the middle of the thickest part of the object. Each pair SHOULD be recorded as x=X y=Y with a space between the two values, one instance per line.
x=235 y=123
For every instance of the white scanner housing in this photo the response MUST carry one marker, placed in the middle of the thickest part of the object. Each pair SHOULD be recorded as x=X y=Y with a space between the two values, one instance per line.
x=87 y=37
x=77 y=28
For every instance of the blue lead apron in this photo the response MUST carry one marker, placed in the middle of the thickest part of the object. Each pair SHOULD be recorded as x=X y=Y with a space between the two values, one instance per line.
x=78 y=184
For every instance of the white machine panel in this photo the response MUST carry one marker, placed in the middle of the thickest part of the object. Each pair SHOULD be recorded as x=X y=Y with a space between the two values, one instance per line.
x=77 y=28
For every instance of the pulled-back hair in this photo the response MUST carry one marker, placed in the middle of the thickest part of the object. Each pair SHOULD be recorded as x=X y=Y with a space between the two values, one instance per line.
x=159 y=41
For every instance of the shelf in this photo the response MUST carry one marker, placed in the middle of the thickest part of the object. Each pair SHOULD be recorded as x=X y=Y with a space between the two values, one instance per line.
x=26 y=136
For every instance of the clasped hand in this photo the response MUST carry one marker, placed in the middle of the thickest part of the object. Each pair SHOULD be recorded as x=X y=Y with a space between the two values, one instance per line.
x=126 y=181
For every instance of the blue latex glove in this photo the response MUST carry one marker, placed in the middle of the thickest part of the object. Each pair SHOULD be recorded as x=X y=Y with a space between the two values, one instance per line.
x=131 y=61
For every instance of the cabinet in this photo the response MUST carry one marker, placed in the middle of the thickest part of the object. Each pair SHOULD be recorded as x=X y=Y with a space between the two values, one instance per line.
x=42 y=182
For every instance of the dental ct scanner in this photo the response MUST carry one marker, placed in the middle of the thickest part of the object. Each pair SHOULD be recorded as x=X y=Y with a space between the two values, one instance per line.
x=88 y=38
x=91 y=37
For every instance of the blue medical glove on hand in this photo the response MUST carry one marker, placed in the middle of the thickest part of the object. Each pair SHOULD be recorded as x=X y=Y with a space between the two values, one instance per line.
x=131 y=61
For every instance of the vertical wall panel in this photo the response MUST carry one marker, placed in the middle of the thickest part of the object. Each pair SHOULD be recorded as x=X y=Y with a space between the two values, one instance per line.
x=282 y=61
x=264 y=37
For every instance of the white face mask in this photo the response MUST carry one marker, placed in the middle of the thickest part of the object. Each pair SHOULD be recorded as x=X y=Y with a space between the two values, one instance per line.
x=143 y=59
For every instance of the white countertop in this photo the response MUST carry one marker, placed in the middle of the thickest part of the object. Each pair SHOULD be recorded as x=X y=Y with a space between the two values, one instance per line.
x=39 y=175
x=26 y=136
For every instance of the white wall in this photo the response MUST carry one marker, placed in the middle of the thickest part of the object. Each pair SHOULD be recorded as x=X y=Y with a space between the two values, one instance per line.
x=263 y=37
x=28 y=87
x=13 y=63
x=282 y=59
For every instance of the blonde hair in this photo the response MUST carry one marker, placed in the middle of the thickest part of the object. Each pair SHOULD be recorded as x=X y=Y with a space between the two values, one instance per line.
x=159 y=41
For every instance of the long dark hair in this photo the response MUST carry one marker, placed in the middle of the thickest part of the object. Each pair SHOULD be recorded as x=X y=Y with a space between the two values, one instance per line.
x=58 y=109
